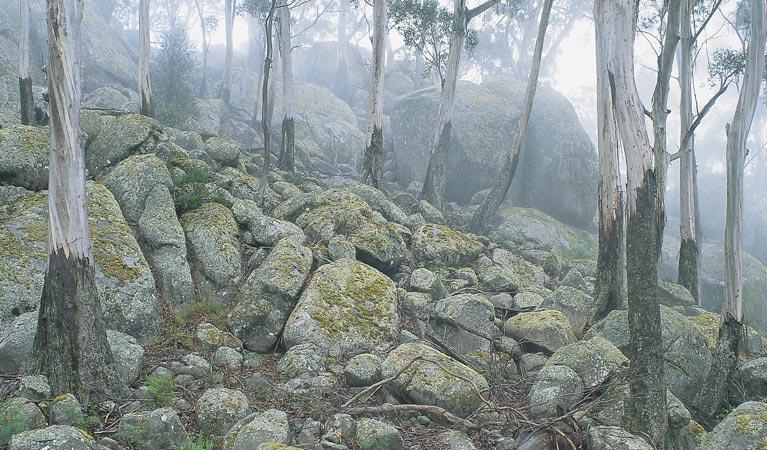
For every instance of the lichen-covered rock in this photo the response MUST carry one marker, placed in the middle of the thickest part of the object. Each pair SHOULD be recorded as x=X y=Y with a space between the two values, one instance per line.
x=594 y=360
x=268 y=296
x=24 y=156
x=34 y=388
x=266 y=230
x=376 y=435
x=18 y=414
x=219 y=408
x=113 y=100
x=303 y=360
x=425 y=382
x=363 y=370
x=341 y=213
x=150 y=430
x=671 y=294
x=16 y=340
x=66 y=410
x=55 y=437
x=212 y=236
x=142 y=186
x=687 y=358
x=124 y=136
x=347 y=306
x=228 y=357
x=128 y=355
x=744 y=428
x=439 y=246
x=464 y=324
x=574 y=279
x=223 y=151
x=579 y=307
x=423 y=280
x=615 y=438
x=753 y=376
x=556 y=388
x=211 y=337
x=557 y=167
x=271 y=426
x=543 y=330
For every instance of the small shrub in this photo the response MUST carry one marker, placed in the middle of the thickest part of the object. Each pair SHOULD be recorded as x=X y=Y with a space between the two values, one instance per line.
x=173 y=79
x=13 y=421
x=202 y=443
x=160 y=390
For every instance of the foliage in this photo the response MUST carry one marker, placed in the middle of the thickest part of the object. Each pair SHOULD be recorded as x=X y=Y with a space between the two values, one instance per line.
x=426 y=26
x=190 y=191
x=202 y=443
x=173 y=79
x=205 y=311
x=256 y=8
x=160 y=390
x=726 y=64
x=13 y=421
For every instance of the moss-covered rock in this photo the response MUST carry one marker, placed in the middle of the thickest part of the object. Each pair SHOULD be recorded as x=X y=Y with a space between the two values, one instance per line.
x=557 y=167
x=212 y=237
x=615 y=438
x=451 y=386
x=269 y=294
x=687 y=358
x=55 y=437
x=579 y=307
x=672 y=294
x=439 y=246
x=223 y=151
x=124 y=136
x=376 y=435
x=16 y=339
x=745 y=427
x=543 y=330
x=465 y=324
x=753 y=376
x=266 y=231
x=113 y=100
x=347 y=306
x=556 y=388
x=219 y=408
x=271 y=426
x=147 y=430
x=24 y=156
x=594 y=360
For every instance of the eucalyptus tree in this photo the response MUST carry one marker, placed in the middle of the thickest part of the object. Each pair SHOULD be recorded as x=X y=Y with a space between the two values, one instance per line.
x=287 y=158
x=265 y=101
x=499 y=190
x=226 y=85
x=646 y=405
x=372 y=165
x=208 y=23
x=434 y=183
x=144 y=85
x=26 y=97
x=70 y=345
x=725 y=358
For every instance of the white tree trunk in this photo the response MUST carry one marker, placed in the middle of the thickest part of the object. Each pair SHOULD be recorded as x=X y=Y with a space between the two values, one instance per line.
x=144 y=87
x=372 y=167
x=288 y=151
x=26 y=97
x=226 y=85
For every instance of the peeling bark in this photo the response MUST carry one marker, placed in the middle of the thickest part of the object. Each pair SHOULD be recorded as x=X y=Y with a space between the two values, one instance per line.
x=265 y=103
x=372 y=165
x=287 y=159
x=226 y=84
x=26 y=96
x=144 y=86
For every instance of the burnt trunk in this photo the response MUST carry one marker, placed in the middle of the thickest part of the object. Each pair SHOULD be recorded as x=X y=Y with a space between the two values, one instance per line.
x=688 y=266
x=646 y=405
x=608 y=289
x=725 y=361
x=27 y=99
x=70 y=344
x=288 y=152
x=372 y=172
x=433 y=189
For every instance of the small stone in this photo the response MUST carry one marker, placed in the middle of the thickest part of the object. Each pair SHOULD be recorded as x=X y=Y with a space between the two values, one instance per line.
x=219 y=408
x=34 y=388
x=376 y=435
x=196 y=365
x=161 y=428
x=270 y=426
x=302 y=360
x=257 y=382
x=423 y=280
x=66 y=410
x=211 y=337
x=228 y=357
x=363 y=370
x=340 y=248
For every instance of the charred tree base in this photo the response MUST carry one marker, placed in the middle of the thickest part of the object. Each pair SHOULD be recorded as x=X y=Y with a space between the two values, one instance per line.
x=688 y=266
x=287 y=159
x=27 y=102
x=608 y=291
x=372 y=167
x=714 y=390
x=646 y=411
x=71 y=347
x=434 y=184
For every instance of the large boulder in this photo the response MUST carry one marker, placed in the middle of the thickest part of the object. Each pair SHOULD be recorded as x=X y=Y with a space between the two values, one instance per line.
x=119 y=138
x=56 y=437
x=744 y=428
x=113 y=100
x=212 y=236
x=347 y=306
x=464 y=324
x=269 y=294
x=16 y=339
x=148 y=430
x=687 y=358
x=439 y=246
x=543 y=330
x=142 y=186
x=433 y=379
x=579 y=307
x=126 y=286
x=24 y=156
x=558 y=165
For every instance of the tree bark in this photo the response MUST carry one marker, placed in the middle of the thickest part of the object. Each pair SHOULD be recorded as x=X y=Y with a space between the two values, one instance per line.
x=70 y=345
x=490 y=205
x=26 y=96
x=688 y=249
x=726 y=355
x=372 y=166
x=659 y=114
x=144 y=87
x=265 y=102
x=226 y=85
x=608 y=290
x=287 y=159
x=646 y=411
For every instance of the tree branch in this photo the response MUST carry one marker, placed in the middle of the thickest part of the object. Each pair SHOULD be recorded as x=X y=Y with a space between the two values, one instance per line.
x=474 y=12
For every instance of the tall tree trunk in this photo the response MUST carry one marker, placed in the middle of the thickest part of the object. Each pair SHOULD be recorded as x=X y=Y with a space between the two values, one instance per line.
x=419 y=68
x=659 y=114
x=688 y=249
x=26 y=97
x=342 y=71
x=608 y=290
x=372 y=166
x=288 y=152
x=70 y=345
x=725 y=360
x=265 y=102
x=226 y=85
x=646 y=406
x=490 y=205
x=144 y=87
x=205 y=46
